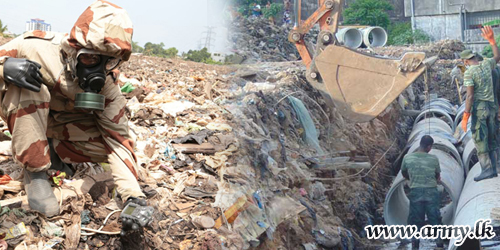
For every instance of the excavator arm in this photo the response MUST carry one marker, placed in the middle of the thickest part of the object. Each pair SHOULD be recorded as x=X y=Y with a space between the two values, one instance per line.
x=360 y=86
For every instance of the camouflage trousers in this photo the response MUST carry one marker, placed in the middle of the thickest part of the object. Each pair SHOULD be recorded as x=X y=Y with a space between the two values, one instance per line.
x=484 y=126
x=75 y=137
x=424 y=201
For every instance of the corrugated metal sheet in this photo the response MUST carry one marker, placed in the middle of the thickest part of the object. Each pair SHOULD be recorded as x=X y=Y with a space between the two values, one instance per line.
x=476 y=19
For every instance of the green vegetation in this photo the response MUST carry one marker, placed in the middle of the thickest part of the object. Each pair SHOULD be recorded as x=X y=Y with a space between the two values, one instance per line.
x=487 y=51
x=3 y=29
x=273 y=10
x=374 y=13
x=492 y=23
x=202 y=56
x=402 y=34
x=136 y=48
x=368 y=12
x=245 y=7
x=152 y=49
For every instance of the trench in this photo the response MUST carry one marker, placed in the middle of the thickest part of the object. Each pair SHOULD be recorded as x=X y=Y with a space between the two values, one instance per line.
x=463 y=201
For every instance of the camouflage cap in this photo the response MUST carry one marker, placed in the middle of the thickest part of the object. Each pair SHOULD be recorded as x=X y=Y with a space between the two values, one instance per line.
x=467 y=54
x=103 y=27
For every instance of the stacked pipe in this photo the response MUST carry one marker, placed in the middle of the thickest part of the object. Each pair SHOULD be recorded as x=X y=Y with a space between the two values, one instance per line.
x=469 y=154
x=434 y=120
x=369 y=37
x=471 y=201
x=477 y=199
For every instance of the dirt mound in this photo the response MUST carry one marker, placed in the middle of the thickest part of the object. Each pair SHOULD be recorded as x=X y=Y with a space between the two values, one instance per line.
x=213 y=139
x=259 y=40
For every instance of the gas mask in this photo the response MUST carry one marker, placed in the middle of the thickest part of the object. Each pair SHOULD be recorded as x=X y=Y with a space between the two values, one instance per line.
x=91 y=70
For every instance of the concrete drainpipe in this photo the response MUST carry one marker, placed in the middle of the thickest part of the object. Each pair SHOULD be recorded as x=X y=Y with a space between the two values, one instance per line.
x=476 y=202
x=396 y=205
x=350 y=37
x=374 y=37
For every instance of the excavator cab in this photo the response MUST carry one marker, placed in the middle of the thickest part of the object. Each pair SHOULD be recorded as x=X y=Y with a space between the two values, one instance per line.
x=360 y=86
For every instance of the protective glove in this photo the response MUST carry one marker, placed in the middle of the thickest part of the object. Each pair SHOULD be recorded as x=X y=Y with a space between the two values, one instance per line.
x=487 y=33
x=465 y=120
x=23 y=73
x=128 y=224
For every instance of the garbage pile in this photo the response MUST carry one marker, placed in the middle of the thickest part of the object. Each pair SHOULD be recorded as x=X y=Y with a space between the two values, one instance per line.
x=446 y=49
x=229 y=159
x=258 y=40
x=441 y=80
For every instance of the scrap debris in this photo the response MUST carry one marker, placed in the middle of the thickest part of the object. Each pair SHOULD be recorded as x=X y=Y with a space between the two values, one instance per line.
x=231 y=158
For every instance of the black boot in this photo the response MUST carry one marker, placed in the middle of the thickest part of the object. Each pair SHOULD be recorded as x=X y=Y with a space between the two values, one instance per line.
x=41 y=198
x=486 y=168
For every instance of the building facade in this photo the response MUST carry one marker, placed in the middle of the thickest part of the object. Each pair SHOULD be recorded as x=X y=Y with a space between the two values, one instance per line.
x=38 y=24
x=454 y=19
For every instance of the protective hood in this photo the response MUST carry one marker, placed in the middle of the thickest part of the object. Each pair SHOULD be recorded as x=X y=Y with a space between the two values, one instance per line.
x=103 y=27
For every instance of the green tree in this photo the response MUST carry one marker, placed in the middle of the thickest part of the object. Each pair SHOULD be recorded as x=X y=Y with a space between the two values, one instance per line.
x=368 y=12
x=3 y=28
x=171 y=52
x=273 y=10
x=136 y=48
x=402 y=34
x=202 y=56
x=153 y=49
x=198 y=55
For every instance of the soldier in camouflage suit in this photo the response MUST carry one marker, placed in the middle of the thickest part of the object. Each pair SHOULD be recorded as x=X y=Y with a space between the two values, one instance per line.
x=40 y=78
x=482 y=107
x=423 y=171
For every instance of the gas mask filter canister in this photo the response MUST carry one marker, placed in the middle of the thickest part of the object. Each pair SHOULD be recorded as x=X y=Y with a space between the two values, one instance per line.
x=91 y=71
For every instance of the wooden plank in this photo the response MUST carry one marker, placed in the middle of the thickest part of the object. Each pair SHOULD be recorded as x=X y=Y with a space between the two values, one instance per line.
x=349 y=165
x=192 y=148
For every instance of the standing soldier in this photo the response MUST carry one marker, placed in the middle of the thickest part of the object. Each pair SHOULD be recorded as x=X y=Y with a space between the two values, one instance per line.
x=423 y=171
x=480 y=105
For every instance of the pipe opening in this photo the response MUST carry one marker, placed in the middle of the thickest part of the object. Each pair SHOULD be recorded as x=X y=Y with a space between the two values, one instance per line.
x=436 y=113
x=397 y=205
x=350 y=37
x=375 y=37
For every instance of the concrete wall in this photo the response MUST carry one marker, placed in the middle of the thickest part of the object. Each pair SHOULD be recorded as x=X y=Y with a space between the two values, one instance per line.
x=438 y=7
x=440 y=27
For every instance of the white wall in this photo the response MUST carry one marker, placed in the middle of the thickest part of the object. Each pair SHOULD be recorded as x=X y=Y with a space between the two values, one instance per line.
x=440 y=27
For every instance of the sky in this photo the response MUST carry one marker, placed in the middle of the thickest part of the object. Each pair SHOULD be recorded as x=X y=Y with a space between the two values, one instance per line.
x=176 y=23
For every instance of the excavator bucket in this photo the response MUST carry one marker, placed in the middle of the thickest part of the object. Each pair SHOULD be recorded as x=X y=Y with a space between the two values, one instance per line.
x=362 y=86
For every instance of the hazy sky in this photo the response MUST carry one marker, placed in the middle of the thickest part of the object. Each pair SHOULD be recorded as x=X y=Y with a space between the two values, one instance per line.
x=176 y=23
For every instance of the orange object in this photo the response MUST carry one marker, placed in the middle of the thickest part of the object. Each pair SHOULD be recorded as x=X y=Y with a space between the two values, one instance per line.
x=232 y=212
x=5 y=179
x=488 y=34
x=341 y=73
x=465 y=120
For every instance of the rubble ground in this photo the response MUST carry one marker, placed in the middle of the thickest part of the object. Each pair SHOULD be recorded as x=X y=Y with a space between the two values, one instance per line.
x=231 y=157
